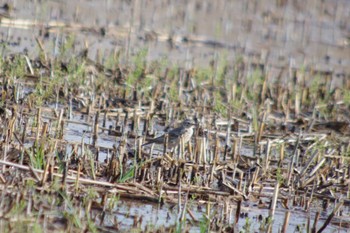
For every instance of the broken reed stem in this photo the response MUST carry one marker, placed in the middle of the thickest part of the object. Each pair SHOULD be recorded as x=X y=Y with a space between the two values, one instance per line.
x=268 y=148
x=238 y=211
x=41 y=46
x=135 y=125
x=125 y=124
x=4 y=156
x=179 y=199
x=314 y=227
x=38 y=123
x=139 y=149
x=234 y=149
x=166 y=142
x=70 y=178
x=146 y=124
x=104 y=119
x=159 y=173
x=318 y=166
x=184 y=208
x=261 y=128
x=216 y=150
x=227 y=138
x=191 y=215
x=255 y=176
x=96 y=125
x=78 y=175
x=22 y=141
x=208 y=210
x=199 y=150
x=274 y=200
x=280 y=162
x=47 y=166
x=11 y=124
x=285 y=222
x=64 y=175
x=43 y=134
x=215 y=160
x=60 y=117
x=70 y=106
x=36 y=176
x=291 y=164
x=312 y=157
x=335 y=210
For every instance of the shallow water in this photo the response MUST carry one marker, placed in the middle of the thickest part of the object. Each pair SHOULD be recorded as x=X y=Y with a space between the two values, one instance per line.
x=166 y=215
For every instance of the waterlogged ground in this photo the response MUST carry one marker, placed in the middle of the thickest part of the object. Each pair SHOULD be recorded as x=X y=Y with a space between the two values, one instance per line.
x=309 y=35
x=190 y=33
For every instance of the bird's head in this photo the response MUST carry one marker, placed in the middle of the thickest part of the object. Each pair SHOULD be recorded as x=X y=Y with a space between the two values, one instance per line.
x=188 y=123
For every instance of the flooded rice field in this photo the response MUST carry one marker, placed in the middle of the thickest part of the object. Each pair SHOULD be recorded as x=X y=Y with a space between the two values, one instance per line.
x=244 y=107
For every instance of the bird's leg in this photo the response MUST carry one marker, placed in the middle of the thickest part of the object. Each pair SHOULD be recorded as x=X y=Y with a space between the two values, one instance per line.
x=151 y=150
x=166 y=140
x=182 y=147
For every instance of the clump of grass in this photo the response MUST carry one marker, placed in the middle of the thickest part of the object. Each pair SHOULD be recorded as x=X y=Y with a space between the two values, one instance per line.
x=66 y=48
x=203 y=74
x=248 y=224
x=253 y=86
x=138 y=71
x=113 y=202
x=204 y=224
x=219 y=105
x=15 y=67
x=173 y=77
x=127 y=175
x=37 y=157
x=346 y=97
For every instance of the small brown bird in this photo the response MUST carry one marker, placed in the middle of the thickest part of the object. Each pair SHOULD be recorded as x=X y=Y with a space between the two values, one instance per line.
x=185 y=131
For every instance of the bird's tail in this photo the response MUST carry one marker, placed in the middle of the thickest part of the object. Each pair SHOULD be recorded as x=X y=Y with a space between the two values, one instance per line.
x=147 y=143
